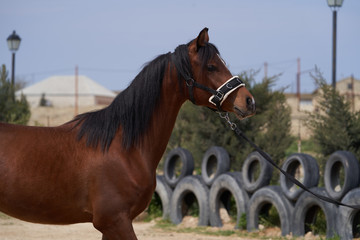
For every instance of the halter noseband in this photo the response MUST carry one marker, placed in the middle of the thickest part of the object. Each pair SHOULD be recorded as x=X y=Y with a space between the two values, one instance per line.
x=219 y=95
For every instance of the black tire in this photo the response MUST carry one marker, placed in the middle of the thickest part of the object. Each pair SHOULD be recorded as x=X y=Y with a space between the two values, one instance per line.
x=306 y=209
x=215 y=162
x=187 y=168
x=263 y=199
x=164 y=192
x=308 y=168
x=227 y=185
x=349 y=219
x=184 y=192
x=337 y=161
x=249 y=171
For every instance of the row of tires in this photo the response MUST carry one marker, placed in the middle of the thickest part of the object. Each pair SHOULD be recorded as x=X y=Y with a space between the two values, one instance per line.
x=297 y=209
x=340 y=176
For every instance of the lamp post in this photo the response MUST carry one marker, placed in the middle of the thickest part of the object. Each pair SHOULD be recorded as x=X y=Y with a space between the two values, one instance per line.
x=13 y=42
x=334 y=5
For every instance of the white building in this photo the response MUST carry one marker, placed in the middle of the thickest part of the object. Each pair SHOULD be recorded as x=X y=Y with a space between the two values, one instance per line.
x=60 y=91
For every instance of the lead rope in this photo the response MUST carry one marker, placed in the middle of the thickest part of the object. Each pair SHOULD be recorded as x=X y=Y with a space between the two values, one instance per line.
x=239 y=134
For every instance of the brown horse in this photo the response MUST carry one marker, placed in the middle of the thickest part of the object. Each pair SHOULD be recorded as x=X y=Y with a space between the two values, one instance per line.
x=100 y=167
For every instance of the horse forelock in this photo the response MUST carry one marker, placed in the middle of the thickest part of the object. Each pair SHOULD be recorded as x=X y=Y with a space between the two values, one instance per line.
x=206 y=53
x=132 y=109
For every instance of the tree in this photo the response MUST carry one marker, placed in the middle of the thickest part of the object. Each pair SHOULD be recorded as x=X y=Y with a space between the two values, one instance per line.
x=197 y=129
x=333 y=125
x=11 y=110
x=270 y=127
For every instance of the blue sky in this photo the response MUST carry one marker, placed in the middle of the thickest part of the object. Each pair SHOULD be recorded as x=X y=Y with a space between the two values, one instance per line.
x=110 y=40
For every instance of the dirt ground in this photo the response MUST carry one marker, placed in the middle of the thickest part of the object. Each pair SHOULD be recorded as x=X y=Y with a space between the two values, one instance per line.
x=14 y=229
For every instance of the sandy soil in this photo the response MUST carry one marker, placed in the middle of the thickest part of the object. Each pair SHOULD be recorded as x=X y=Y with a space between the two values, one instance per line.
x=13 y=229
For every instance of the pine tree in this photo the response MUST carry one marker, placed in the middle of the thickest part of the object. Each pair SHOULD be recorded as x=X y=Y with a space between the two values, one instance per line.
x=11 y=110
x=333 y=125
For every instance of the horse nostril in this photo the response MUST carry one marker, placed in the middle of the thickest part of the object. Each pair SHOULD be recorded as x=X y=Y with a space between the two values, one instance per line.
x=249 y=101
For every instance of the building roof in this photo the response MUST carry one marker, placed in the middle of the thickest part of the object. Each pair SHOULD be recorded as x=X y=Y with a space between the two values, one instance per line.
x=65 y=86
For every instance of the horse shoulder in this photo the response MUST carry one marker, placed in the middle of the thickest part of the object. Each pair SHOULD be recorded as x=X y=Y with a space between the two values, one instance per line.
x=121 y=184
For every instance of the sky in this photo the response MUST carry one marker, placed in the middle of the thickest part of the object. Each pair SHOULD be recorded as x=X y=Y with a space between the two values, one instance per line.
x=111 y=40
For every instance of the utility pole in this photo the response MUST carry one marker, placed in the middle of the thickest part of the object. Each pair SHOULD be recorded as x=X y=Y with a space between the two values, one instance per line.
x=298 y=83
x=76 y=90
x=352 y=93
x=298 y=98
x=265 y=70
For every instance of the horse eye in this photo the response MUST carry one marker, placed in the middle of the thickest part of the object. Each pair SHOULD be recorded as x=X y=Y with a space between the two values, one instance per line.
x=211 y=68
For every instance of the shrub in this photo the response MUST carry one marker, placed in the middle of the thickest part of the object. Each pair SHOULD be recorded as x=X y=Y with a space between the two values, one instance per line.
x=333 y=125
x=11 y=109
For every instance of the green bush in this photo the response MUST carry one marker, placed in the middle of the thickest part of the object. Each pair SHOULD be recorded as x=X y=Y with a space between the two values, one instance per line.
x=269 y=216
x=334 y=126
x=318 y=224
x=11 y=109
x=242 y=222
x=155 y=208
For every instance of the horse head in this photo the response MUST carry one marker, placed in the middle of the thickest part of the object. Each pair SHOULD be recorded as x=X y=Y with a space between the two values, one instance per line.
x=212 y=85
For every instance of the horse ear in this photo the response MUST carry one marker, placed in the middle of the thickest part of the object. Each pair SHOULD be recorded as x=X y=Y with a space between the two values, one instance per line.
x=202 y=39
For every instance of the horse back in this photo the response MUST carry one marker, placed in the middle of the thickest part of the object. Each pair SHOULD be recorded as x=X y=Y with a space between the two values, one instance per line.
x=41 y=166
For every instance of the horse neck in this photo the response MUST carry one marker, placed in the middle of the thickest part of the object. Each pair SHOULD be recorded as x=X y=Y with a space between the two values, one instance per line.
x=164 y=117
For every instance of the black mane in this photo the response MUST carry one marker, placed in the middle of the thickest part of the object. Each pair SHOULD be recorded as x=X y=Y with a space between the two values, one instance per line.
x=132 y=108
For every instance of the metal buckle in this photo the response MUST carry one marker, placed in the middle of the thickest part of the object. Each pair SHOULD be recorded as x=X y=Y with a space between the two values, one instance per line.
x=189 y=82
x=229 y=86
x=219 y=95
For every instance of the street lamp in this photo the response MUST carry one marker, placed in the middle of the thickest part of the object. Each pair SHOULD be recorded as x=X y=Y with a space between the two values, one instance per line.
x=334 y=5
x=13 y=42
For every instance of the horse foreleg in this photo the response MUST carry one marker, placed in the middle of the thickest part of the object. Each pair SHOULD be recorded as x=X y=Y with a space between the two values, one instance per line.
x=119 y=229
x=119 y=234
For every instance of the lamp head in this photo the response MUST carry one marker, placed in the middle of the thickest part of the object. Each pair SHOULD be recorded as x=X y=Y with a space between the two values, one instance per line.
x=335 y=3
x=13 y=42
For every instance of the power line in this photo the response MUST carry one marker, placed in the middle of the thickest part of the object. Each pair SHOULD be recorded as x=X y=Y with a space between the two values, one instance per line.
x=107 y=69
x=48 y=72
x=92 y=69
